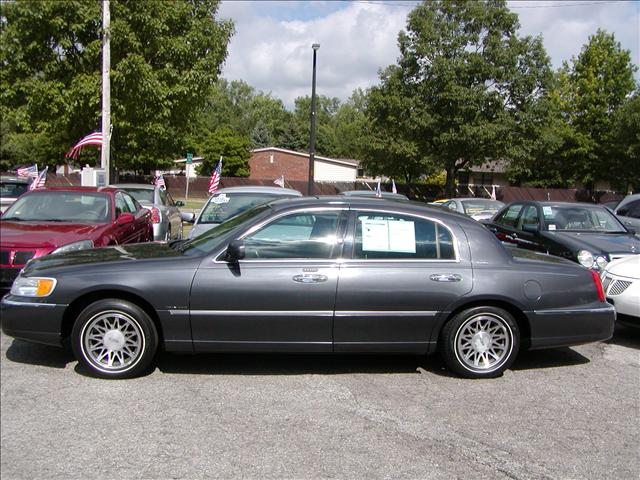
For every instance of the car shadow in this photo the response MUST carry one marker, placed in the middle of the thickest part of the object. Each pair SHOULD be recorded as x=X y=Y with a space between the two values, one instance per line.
x=35 y=354
x=626 y=336
x=548 y=358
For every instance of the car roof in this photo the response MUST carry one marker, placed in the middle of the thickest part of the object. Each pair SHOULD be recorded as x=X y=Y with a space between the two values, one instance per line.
x=147 y=186
x=260 y=189
x=565 y=204
x=12 y=178
x=371 y=193
x=482 y=199
x=78 y=189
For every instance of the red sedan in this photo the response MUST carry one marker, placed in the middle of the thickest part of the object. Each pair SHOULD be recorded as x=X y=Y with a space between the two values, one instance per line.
x=56 y=220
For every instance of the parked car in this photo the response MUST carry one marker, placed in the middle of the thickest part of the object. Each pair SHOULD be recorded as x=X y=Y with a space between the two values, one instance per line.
x=372 y=194
x=10 y=189
x=56 y=220
x=588 y=234
x=476 y=208
x=229 y=202
x=332 y=274
x=165 y=213
x=621 y=283
x=628 y=211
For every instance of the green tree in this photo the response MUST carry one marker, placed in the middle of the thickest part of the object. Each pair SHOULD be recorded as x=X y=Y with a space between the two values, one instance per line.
x=599 y=81
x=164 y=55
x=626 y=145
x=463 y=81
x=233 y=148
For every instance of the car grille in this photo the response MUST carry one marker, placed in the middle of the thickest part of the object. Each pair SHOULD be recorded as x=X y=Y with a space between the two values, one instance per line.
x=4 y=257
x=615 y=287
x=15 y=258
x=617 y=256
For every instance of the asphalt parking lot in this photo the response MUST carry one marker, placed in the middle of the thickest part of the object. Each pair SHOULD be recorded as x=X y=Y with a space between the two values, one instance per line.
x=564 y=413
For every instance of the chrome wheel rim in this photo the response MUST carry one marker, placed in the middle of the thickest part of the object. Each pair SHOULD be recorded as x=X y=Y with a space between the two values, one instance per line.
x=112 y=341
x=484 y=342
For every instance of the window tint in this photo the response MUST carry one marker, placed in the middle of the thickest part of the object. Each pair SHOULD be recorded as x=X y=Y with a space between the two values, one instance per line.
x=121 y=206
x=130 y=204
x=529 y=216
x=451 y=205
x=163 y=197
x=389 y=236
x=300 y=235
x=509 y=216
x=631 y=209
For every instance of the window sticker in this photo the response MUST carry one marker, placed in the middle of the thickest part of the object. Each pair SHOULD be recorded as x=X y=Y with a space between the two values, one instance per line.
x=547 y=211
x=552 y=226
x=388 y=236
x=222 y=198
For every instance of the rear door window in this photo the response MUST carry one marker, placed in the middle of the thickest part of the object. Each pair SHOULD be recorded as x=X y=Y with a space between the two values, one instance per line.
x=509 y=217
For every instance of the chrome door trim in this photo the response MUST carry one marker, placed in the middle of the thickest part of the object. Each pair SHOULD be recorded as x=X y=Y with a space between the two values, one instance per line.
x=386 y=313
x=258 y=313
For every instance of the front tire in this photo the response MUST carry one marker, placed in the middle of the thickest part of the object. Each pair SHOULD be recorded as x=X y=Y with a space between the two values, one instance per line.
x=114 y=339
x=480 y=342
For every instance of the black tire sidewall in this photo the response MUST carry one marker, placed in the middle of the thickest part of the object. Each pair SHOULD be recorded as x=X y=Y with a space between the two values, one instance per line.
x=450 y=331
x=144 y=322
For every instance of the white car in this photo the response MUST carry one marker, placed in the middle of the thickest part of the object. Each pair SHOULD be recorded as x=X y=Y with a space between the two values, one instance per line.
x=621 y=283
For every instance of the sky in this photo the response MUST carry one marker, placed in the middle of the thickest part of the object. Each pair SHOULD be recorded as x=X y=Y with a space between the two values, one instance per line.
x=271 y=49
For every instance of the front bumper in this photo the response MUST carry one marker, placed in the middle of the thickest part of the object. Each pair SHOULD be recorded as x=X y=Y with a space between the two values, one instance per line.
x=565 y=327
x=31 y=320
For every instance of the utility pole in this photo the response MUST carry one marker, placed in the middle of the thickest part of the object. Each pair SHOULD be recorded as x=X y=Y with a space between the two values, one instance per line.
x=106 y=91
x=312 y=137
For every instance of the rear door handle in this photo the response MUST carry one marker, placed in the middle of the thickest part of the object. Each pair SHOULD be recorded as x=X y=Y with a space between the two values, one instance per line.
x=445 y=277
x=310 y=278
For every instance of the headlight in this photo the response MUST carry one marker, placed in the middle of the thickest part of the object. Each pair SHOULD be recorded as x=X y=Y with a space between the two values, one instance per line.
x=72 y=247
x=33 y=286
x=601 y=262
x=585 y=258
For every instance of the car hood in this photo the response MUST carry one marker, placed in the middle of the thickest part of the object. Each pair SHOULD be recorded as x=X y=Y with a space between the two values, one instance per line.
x=118 y=253
x=200 y=228
x=521 y=255
x=47 y=235
x=625 y=267
x=597 y=242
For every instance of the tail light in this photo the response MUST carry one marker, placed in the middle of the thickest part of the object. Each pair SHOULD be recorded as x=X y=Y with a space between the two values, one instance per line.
x=155 y=215
x=598 y=282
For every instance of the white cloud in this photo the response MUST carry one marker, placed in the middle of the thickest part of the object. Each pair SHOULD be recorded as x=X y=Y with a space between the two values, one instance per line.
x=271 y=49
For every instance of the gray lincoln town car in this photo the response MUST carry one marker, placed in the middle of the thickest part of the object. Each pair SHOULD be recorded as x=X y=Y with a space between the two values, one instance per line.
x=330 y=274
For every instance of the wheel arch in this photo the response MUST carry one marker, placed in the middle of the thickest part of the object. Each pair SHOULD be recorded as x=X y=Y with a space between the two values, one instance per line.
x=80 y=303
x=516 y=312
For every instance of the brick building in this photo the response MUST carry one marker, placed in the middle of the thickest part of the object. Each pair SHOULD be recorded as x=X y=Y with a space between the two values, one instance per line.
x=270 y=163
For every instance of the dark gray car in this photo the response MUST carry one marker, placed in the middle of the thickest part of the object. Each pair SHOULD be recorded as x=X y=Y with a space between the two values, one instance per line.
x=628 y=210
x=331 y=274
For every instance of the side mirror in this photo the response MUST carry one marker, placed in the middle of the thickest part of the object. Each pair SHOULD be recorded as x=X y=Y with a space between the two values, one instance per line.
x=531 y=227
x=632 y=231
x=235 y=251
x=188 y=217
x=179 y=203
x=125 y=218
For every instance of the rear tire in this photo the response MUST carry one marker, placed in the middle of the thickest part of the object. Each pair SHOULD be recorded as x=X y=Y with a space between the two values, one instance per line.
x=480 y=342
x=114 y=338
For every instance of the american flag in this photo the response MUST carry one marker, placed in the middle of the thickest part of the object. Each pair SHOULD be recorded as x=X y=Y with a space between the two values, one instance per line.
x=279 y=181
x=31 y=171
x=215 y=177
x=159 y=181
x=39 y=182
x=94 y=138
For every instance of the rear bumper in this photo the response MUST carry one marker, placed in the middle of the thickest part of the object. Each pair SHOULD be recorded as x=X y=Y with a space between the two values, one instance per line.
x=32 y=321
x=565 y=327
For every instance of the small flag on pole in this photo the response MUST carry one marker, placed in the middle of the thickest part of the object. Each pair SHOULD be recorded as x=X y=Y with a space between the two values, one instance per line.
x=94 y=138
x=159 y=181
x=40 y=180
x=279 y=181
x=31 y=171
x=493 y=192
x=393 y=186
x=215 y=177
x=378 y=190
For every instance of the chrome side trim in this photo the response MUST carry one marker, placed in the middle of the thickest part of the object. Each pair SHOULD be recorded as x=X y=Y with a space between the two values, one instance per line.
x=15 y=303
x=575 y=311
x=380 y=313
x=264 y=313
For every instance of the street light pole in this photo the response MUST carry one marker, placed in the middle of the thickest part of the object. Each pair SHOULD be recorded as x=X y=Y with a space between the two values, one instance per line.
x=312 y=136
x=106 y=92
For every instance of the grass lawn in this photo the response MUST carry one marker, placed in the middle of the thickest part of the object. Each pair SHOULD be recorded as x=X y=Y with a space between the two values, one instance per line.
x=192 y=203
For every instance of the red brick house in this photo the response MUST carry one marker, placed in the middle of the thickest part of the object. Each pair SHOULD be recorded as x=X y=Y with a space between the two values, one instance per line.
x=270 y=163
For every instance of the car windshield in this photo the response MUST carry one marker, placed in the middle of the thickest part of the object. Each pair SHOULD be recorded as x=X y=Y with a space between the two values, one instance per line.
x=224 y=206
x=75 y=207
x=141 y=194
x=472 y=207
x=12 y=189
x=203 y=243
x=582 y=218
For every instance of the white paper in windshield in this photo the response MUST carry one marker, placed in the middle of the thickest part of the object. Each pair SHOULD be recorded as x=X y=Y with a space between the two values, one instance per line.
x=388 y=236
x=547 y=211
x=222 y=198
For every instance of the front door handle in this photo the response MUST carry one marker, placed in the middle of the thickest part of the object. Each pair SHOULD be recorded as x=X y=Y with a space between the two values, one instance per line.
x=445 y=277
x=310 y=278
